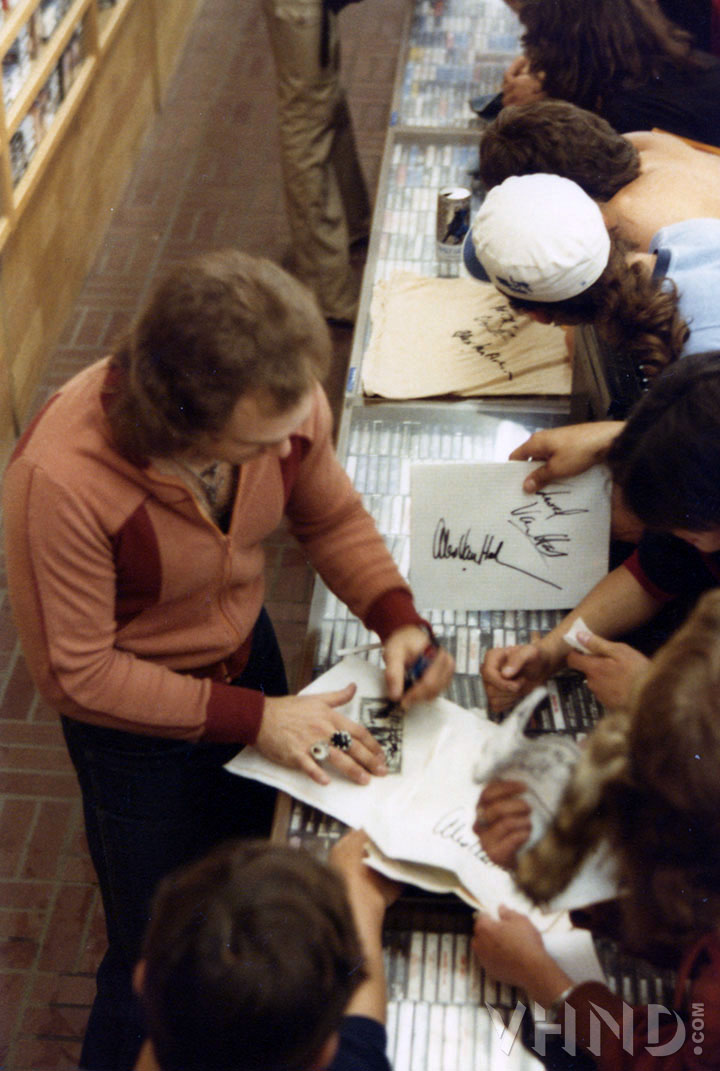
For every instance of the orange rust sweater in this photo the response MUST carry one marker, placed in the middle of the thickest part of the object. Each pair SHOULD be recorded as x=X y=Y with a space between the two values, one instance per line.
x=134 y=609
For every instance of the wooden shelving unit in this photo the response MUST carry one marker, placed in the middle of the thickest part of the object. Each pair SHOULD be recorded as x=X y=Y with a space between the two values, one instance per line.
x=47 y=59
x=91 y=79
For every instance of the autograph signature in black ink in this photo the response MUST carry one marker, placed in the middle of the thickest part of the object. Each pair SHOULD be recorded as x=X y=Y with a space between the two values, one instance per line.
x=548 y=497
x=542 y=509
x=454 y=827
x=503 y=325
x=484 y=349
x=545 y=543
x=443 y=548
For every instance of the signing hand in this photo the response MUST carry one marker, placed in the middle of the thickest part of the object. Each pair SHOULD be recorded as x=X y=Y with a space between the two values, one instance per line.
x=611 y=669
x=503 y=821
x=509 y=673
x=566 y=451
x=402 y=648
x=291 y=724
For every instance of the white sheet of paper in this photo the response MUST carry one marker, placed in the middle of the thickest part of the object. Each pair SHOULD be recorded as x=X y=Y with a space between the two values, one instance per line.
x=478 y=541
x=422 y=814
x=574 y=951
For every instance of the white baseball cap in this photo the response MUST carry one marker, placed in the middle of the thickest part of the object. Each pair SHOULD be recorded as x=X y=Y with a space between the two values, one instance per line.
x=538 y=237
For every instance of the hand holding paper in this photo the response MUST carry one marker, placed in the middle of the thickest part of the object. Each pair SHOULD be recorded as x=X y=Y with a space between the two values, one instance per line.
x=478 y=540
x=611 y=669
x=511 y=949
x=502 y=821
x=566 y=451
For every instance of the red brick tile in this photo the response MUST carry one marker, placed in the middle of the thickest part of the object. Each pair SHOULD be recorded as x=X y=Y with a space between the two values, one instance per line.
x=95 y=942
x=294 y=584
x=16 y=819
x=8 y=632
x=29 y=895
x=12 y=991
x=20 y=933
x=47 y=841
x=293 y=612
x=37 y=759
x=45 y=785
x=55 y=1021
x=66 y=927
x=41 y=712
x=52 y=1055
x=55 y=987
x=77 y=869
x=22 y=732
x=19 y=694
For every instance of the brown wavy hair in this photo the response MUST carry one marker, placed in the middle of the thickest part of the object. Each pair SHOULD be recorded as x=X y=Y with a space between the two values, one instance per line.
x=216 y=327
x=584 y=48
x=558 y=138
x=648 y=782
x=628 y=308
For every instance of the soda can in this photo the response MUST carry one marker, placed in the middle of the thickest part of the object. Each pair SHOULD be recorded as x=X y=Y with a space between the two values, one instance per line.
x=453 y=221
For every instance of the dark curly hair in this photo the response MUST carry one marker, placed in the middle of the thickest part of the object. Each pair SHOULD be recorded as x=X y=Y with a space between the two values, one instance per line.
x=585 y=47
x=558 y=138
x=628 y=307
x=666 y=459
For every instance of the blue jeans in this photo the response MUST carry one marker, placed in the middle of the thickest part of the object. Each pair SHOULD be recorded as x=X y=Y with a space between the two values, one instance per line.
x=152 y=805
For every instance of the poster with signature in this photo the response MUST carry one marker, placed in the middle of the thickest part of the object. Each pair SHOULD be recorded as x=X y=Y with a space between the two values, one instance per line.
x=478 y=541
x=424 y=813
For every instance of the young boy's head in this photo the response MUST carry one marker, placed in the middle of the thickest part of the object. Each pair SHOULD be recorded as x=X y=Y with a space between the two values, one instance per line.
x=249 y=961
x=666 y=460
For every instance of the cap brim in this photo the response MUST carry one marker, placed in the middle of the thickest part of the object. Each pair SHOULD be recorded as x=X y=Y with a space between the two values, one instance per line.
x=471 y=261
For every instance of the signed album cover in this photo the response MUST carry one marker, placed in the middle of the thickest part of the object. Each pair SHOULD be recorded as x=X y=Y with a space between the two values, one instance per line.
x=478 y=541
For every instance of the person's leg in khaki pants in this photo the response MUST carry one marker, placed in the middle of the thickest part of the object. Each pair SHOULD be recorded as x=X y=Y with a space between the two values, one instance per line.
x=325 y=192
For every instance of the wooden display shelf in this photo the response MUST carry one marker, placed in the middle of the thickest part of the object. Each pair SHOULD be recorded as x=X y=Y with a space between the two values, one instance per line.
x=62 y=118
x=58 y=210
x=109 y=22
x=45 y=63
x=14 y=23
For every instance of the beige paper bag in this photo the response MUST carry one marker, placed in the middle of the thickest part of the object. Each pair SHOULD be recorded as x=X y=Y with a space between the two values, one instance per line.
x=458 y=336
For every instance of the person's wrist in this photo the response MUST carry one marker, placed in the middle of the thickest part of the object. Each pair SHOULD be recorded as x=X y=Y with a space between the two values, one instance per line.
x=554 y=1011
x=369 y=906
x=544 y=981
x=608 y=432
x=553 y=651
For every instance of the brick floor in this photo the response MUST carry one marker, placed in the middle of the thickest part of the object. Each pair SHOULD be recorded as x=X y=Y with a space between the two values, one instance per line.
x=209 y=175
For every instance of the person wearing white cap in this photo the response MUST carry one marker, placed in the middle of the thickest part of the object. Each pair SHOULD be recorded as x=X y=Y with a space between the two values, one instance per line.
x=543 y=242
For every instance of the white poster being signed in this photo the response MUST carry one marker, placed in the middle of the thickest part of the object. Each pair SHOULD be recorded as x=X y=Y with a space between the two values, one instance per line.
x=422 y=813
x=478 y=541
